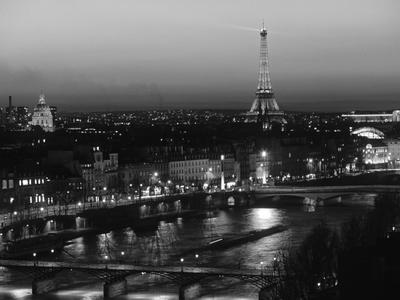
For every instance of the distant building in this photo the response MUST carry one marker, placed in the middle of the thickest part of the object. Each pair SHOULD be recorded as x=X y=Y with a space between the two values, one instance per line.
x=193 y=170
x=132 y=175
x=100 y=173
x=203 y=170
x=376 y=154
x=369 y=133
x=42 y=115
x=393 y=152
x=373 y=117
x=22 y=117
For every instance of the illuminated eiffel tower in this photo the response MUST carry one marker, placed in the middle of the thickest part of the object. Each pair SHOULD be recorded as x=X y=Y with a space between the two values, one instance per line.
x=265 y=109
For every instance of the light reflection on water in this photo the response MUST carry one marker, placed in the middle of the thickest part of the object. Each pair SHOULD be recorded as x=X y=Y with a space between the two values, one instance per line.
x=163 y=245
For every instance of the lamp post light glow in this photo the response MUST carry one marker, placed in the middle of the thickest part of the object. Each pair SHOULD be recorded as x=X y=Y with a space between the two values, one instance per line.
x=264 y=165
x=222 y=173
x=182 y=260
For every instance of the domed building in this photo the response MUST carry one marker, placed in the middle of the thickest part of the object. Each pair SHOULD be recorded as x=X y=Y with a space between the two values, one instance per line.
x=42 y=115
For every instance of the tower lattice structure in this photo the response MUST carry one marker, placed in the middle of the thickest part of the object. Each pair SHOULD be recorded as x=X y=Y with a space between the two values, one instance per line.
x=265 y=109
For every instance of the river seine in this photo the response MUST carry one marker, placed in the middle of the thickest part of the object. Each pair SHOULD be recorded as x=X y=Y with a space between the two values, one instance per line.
x=163 y=245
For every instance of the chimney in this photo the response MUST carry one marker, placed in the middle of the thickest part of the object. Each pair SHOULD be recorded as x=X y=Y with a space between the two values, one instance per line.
x=9 y=101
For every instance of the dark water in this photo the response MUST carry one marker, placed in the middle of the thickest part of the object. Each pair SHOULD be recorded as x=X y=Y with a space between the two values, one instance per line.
x=163 y=245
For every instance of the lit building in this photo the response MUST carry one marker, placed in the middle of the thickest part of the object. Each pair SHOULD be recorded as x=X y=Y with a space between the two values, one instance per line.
x=191 y=170
x=393 y=152
x=100 y=173
x=369 y=133
x=42 y=115
x=22 y=117
x=373 y=117
x=204 y=170
x=375 y=154
x=132 y=175
x=260 y=165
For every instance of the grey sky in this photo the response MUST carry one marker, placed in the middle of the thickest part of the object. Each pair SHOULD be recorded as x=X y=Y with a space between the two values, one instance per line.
x=130 y=54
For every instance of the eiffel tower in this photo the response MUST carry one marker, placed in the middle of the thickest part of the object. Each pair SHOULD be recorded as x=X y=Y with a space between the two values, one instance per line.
x=265 y=109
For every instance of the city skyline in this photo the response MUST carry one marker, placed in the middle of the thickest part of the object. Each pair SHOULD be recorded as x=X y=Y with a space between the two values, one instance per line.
x=338 y=56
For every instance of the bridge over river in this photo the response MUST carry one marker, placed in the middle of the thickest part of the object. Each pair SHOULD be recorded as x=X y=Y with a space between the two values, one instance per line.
x=127 y=208
x=321 y=195
x=114 y=275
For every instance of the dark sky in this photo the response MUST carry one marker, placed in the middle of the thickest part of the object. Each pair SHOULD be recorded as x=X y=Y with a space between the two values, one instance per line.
x=131 y=54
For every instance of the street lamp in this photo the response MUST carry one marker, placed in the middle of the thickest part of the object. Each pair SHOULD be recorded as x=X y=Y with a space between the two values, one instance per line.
x=264 y=156
x=222 y=173
x=140 y=191
x=182 y=260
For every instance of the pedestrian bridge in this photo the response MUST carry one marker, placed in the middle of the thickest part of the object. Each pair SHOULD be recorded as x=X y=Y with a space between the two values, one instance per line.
x=114 y=275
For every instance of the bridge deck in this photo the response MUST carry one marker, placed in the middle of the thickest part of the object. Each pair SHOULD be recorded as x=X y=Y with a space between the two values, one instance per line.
x=328 y=189
x=132 y=268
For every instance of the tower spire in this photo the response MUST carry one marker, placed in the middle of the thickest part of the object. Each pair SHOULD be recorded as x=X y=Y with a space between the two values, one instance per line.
x=264 y=80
